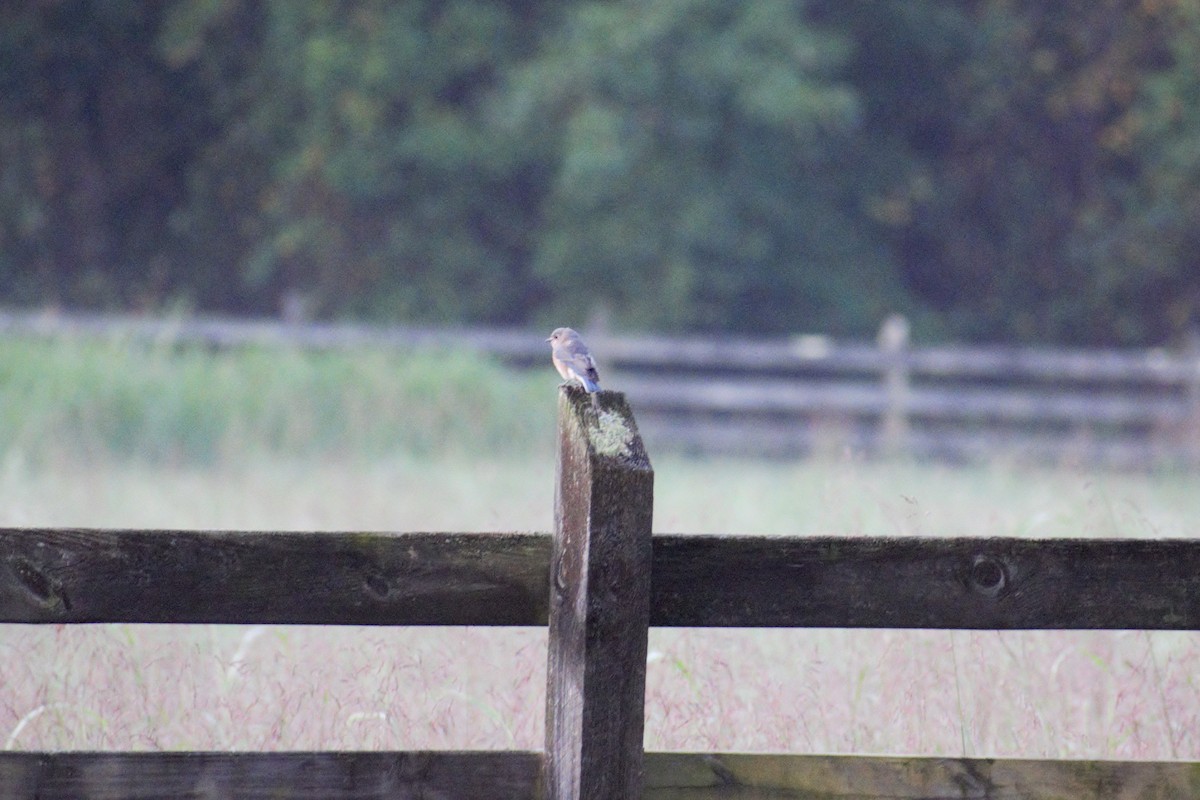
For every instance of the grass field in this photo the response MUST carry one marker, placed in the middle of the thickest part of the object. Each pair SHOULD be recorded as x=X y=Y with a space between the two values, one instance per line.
x=111 y=435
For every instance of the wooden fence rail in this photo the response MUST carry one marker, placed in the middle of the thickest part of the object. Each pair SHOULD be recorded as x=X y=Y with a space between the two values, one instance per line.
x=799 y=395
x=517 y=775
x=599 y=582
x=81 y=576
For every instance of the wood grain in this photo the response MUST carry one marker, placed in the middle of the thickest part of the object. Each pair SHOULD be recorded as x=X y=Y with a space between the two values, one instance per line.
x=63 y=576
x=516 y=776
x=599 y=602
x=347 y=578
x=688 y=776
x=983 y=583
x=246 y=776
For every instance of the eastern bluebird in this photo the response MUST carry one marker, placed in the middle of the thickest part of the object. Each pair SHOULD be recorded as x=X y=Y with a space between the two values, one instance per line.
x=572 y=359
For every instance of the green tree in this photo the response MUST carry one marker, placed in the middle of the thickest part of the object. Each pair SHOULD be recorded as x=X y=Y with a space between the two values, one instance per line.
x=999 y=169
x=696 y=148
x=1152 y=253
x=95 y=135
x=375 y=185
x=1014 y=219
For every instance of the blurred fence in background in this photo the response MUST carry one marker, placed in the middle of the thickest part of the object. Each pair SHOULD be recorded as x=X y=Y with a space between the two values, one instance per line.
x=803 y=395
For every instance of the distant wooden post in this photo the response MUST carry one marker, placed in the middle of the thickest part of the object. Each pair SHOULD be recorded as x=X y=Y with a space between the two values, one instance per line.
x=1192 y=355
x=893 y=342
x=599 y=601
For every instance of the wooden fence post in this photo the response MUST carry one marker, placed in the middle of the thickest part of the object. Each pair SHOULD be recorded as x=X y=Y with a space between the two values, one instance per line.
x=893 y=342
x=599 y=601
x=1191 y=353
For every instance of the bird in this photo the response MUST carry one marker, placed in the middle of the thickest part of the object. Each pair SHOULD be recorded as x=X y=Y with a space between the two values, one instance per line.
x=573 y=360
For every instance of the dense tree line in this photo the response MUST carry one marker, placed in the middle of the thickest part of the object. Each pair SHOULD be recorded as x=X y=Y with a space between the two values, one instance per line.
x=1022 y=170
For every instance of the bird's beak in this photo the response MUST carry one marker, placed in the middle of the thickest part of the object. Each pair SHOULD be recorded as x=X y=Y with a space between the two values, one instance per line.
x=549 y=338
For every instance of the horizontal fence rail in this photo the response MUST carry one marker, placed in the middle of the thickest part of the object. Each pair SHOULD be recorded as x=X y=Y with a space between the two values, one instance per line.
x=804 y=394
x=736 y=354
x=71 y=576
x=517 y=776
x=283 y=578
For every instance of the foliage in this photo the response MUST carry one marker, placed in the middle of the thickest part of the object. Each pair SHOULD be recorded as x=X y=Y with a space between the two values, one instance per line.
x=998 y=169
x=1031 y=215
x=1152 y=253
x=696 y=146
x=89 y=177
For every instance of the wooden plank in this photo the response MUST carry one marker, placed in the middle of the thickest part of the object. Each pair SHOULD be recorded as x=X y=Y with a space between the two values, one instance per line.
x=1040 y=407
x=516 y=775
x=245 y=776
x=1153 y=367
x=795 y=354
x=303 y=578
x=894 y=425
x=800 y=355
x=599 y=601
x=688 y=776
x=778 y=396
x=708 y=395
x=759 y=437
x=63 y=576
x=961 y=583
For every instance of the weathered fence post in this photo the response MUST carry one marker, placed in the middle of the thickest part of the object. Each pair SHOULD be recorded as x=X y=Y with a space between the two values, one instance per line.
x=599 y=601
x=1191 y=354
x=893 y=342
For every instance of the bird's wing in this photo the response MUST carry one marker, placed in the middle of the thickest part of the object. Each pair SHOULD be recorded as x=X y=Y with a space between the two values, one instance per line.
x=575 y=355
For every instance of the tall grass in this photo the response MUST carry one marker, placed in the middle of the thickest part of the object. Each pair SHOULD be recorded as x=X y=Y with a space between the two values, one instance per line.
x=97 y=400
x=125 y=435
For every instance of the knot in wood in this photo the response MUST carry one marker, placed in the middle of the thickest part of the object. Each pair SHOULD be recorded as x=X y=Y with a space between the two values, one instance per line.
x=45 y=590
x=988 y=576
